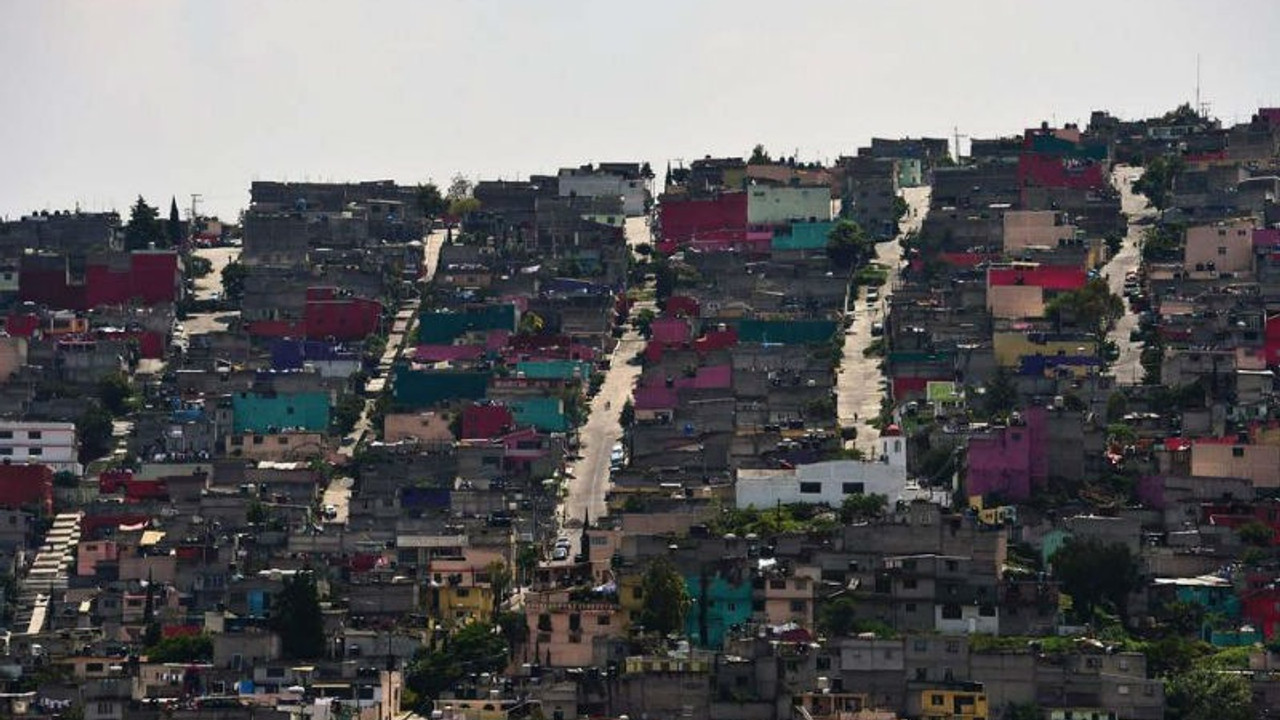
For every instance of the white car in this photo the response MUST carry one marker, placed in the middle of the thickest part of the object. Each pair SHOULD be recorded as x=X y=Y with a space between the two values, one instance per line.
x=560 y=553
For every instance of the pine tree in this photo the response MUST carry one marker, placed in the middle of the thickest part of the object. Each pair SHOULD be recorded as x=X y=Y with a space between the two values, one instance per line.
x=177 y=232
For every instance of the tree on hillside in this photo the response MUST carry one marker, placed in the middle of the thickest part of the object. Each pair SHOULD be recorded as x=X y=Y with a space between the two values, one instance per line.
x=1092 y=308
x=500 y=582
x=1157 y=180
x=459 y=188
x=1094 y=574
x=759 y=156
x=848 y=245
x=115 y=392
x=863 y=507
x=233 y=280
x=430 y=201
x=666 y=598
x=143 y=228
x=296 y=616
x=475 y=648
x=177 y=229
x=94 y=428
x=1208 y=694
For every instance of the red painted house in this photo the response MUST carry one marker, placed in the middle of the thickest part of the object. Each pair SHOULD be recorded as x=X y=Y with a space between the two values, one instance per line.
x=25 y=486
x=684 y=218
x=331 y=315
x=1060 y=172
x=149 y=277
x=1271 y=341
x=1260 y=603
x=682 y=306
x=482 y=422
x=328 y=316
x=1049 y=277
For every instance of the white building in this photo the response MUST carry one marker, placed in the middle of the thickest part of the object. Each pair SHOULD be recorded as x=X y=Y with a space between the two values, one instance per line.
x=822 y=483
x=590 y=182
x=47 y=443
x=779 y=205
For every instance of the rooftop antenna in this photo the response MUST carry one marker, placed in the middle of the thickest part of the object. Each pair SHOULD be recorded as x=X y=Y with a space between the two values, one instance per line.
x=195 y=201
x=1202 y=108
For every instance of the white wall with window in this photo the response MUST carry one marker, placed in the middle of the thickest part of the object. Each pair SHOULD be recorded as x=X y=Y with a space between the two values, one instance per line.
x=48 y=443
x=820 y=483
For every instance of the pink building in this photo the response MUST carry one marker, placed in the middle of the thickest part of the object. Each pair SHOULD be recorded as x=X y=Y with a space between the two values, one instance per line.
x=1011 y=461
x=1225 y=246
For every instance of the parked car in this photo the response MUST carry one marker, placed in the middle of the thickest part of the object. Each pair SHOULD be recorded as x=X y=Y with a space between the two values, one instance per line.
x=877 y=328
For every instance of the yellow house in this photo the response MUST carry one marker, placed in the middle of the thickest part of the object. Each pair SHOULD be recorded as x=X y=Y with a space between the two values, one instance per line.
x=1011 y=345
x=953 y=705
x=462 y=589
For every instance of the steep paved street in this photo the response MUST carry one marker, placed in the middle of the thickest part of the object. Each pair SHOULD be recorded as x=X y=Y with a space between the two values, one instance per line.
x=589 y=475
x=210 y=285
x=401 y=335
x=1128 y=368
x=860 y=384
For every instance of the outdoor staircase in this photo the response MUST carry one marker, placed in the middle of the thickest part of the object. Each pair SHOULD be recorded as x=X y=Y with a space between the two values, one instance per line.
x=50 y=572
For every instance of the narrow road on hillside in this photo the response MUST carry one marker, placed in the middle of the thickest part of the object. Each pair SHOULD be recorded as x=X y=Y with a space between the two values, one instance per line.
x=1128 y=367
x=401 y=336
x=588 y=481
x=861 y=384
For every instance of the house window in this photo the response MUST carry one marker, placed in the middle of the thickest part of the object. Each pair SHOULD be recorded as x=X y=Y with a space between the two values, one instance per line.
x=951 y=611
x=910 y=607
x=288 y=410
x=603 y=620
x=257 y=439
x=6 y=451
x=823 y=662
x=1237 y=452
x=953 y=646
x=936 y=700
x=987 y=610
x=6 y=434
x=575 y=622
x=909 y=583
x=920 y=645
x=797 y=606
x=853 y=488
x=35 y=434
x=283 y=439
x=777 y=584
x=35 y=451
x=810 y=488
x=1222 y=250
x=93 y=668
x=464 y=592
x=952 y=565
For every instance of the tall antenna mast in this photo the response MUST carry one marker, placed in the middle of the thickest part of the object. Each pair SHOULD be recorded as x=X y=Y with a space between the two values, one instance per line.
x=956 y=130
x=1198 y=107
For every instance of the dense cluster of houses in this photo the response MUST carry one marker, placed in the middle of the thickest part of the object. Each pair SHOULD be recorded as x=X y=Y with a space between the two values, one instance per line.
x=600 y=424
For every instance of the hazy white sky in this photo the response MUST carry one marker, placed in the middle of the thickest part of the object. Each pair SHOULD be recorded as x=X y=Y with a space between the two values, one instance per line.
x=106 y=99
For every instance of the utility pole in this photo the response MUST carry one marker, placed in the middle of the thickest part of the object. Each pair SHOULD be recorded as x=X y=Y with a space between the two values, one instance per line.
x=195 y=201
x=956 y=130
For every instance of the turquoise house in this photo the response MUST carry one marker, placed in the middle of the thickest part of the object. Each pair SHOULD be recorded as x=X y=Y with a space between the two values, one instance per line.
x=437 y=327
x=554 y=369
x=263 y=412
x=544 y=413
x=719 y=603
x=425 y=388
x=787 y=332
x=804 y=236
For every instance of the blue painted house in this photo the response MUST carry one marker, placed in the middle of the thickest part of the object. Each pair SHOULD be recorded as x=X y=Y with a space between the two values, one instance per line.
x=720 y=601
x=265 y=412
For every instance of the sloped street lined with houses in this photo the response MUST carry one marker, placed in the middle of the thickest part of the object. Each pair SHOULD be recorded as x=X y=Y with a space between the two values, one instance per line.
x=906 y=434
